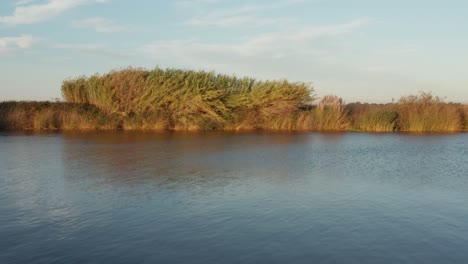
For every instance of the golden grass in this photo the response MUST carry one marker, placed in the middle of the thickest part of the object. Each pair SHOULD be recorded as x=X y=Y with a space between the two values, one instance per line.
x=377 y=121
x=172 y=99
x=328 y=115
x=190 y=99
x=373 y=117
x=425 y=112
x=464 y=116
x=53 y=116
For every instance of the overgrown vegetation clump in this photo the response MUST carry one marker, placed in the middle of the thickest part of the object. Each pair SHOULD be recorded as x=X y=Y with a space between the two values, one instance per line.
x=173 y=99
x=179 y=99
x=426 y=113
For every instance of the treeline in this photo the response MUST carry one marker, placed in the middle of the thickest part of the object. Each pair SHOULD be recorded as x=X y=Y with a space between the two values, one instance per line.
x=196 y=100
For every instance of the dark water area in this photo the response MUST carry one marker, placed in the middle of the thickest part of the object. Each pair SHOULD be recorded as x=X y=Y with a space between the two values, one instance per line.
x=217 y=197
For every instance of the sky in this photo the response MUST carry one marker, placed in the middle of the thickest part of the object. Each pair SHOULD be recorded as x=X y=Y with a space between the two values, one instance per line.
x=360 y=50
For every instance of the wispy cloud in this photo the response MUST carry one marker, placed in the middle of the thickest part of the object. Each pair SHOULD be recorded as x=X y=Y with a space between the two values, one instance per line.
x=236 y=21
x=243 y=15
x=24 y=2
x=275 y=44
x=269 y=55
x=99 y=24
x=189 y=3
x=30 y=11
x=91 y=49
x=10 y=44
x=86 y=48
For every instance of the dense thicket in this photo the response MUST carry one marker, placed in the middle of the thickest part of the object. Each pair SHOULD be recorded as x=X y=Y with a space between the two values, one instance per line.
x=190 y=99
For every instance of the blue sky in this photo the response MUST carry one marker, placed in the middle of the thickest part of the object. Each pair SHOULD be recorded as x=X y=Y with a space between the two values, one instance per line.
x=361 y=50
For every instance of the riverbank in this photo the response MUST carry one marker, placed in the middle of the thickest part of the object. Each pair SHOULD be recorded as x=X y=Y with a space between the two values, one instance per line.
x=134 y=99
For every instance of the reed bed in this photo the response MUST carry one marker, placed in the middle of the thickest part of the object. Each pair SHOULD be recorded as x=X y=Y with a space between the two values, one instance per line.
x=328 y=115
x=465 y=117
x=172 y=99
x=190 y=99
x=377 y=121
x=372 y=117
x=53 y=116
x=425 y=112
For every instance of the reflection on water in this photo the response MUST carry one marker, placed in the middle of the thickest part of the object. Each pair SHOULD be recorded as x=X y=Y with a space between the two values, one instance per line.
x=210 y=197
x=136 y=157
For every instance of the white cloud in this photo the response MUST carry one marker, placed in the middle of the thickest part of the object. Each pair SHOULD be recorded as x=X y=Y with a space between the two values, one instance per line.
x=189 y=3
x=9 y=44
x=245 y=15
x=29 y=11
x=92 y=49
x=87 y=48
x=24 y=2
x=99 y=24
x=251 y=21
x=270 y=45
x=309 y=53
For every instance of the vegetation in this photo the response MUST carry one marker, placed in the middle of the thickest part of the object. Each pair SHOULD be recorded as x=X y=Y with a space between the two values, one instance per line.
x=181 y=99
x=378 y=121
x=426 y=113
x=48 y=115
x=373 y=117
x=196 y=100
x=328 y=115
x=464 y=117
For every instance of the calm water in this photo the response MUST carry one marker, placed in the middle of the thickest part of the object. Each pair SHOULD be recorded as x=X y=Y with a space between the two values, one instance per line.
x=141 y=197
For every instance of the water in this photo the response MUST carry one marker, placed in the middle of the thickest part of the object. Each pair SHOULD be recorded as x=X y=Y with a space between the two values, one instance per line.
x=146 y=197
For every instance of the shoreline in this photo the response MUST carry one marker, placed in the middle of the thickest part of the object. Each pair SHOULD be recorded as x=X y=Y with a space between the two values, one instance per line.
x=185 y=100
x=63 y=116
x=32 y=116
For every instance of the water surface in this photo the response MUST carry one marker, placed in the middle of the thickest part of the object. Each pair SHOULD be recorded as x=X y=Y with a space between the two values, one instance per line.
x=217 y=197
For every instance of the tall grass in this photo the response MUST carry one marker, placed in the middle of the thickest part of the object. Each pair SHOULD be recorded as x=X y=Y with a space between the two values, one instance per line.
x=190 y=99
x=51 y=116
x=173 y=99
x=377 y=121
x=270 y=105
x=464 y=116
x=425 y=112
x=373 y=117
x=328 y=115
